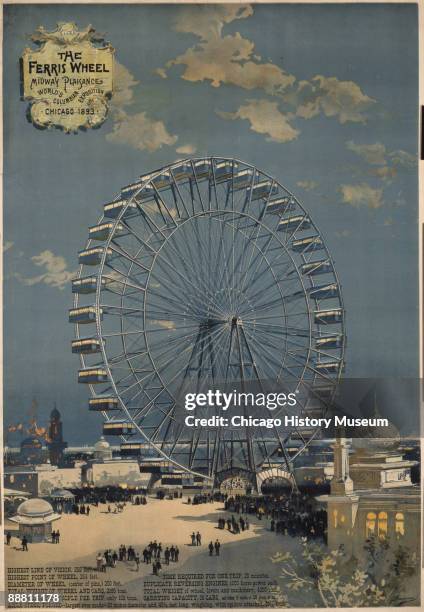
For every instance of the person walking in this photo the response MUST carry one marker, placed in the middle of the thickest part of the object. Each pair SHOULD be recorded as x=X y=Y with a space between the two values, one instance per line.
x=217 y=547
x=210 y=548
x=8 y=538
x=137 y=562
x=99 y=562
x=198 y=539
x=167 y=554
x=193 y=539
x=177 y=553
x=57 y=536
x=24 y=543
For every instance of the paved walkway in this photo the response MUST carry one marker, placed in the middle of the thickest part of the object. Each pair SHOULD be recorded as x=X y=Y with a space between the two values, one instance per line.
x=167 y=521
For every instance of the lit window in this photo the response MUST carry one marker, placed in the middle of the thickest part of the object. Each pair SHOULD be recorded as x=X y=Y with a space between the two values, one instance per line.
x=399 y=524
x=370 y=524
x=382 y=525
x=335 y=513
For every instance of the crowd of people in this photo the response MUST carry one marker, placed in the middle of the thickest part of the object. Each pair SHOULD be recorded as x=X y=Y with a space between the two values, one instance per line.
x=54 y=538
x=84 y=508
x=154 y=553
x=234 y=525
x=203 y=498
x=293 y=514
x=81 y=509
x=109 y=495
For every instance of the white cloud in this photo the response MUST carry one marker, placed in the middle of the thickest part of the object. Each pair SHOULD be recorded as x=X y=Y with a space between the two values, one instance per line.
x=385 y=173
x=7 y=245
x=231 y=60
x=228 y=60
x=56 y=273
x=207 y=21
x=341 y=99
x=362 y=195
x=140 y=132
x=123 y=86
x=374 y=154
x=224 y=59
x=403 y=158
x=187 y=149
x=161 y=72
x=265 y=118
x=385 y=164
x=307 y=185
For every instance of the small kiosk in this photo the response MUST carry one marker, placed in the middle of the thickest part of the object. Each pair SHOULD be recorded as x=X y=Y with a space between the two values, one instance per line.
x=35 y=517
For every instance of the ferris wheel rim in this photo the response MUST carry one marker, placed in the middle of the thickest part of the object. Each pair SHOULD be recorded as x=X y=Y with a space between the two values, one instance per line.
x=119 y=219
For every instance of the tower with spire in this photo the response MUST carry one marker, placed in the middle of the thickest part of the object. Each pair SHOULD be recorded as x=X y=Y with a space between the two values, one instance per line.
x=56 y=444
x=342 y=503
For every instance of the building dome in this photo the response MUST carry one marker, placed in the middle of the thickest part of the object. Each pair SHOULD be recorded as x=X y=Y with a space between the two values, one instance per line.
x=102 y=450
x=55 y=414
x=102 y=445
x=31 y=442
x=34 y=517
x=35 y=508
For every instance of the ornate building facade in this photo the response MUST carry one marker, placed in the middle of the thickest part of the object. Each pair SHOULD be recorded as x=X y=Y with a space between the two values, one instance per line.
x=372 y=496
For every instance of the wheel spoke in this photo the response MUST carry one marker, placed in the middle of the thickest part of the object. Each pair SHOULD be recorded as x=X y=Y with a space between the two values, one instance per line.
x=202 y=284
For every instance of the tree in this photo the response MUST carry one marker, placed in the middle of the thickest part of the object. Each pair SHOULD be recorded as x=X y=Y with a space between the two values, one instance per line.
x=375 y=580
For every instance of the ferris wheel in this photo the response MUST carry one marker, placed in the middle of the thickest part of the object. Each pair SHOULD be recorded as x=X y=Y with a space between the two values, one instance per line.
x=207 y=273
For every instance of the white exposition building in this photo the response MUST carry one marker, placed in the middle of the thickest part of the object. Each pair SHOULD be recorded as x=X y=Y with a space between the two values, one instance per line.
x=372 y=496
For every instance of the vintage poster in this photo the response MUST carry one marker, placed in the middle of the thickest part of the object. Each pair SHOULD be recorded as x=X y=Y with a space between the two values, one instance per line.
x=211 y=305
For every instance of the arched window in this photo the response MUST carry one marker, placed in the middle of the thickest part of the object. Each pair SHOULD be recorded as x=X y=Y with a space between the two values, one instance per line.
x=382 y=525
x=370 y=524
x=399 y=524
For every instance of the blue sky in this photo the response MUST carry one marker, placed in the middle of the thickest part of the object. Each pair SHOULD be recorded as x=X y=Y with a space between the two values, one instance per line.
x=323 y=97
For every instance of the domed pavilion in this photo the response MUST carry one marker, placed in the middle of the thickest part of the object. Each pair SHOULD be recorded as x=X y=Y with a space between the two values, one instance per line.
x=35 y=517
